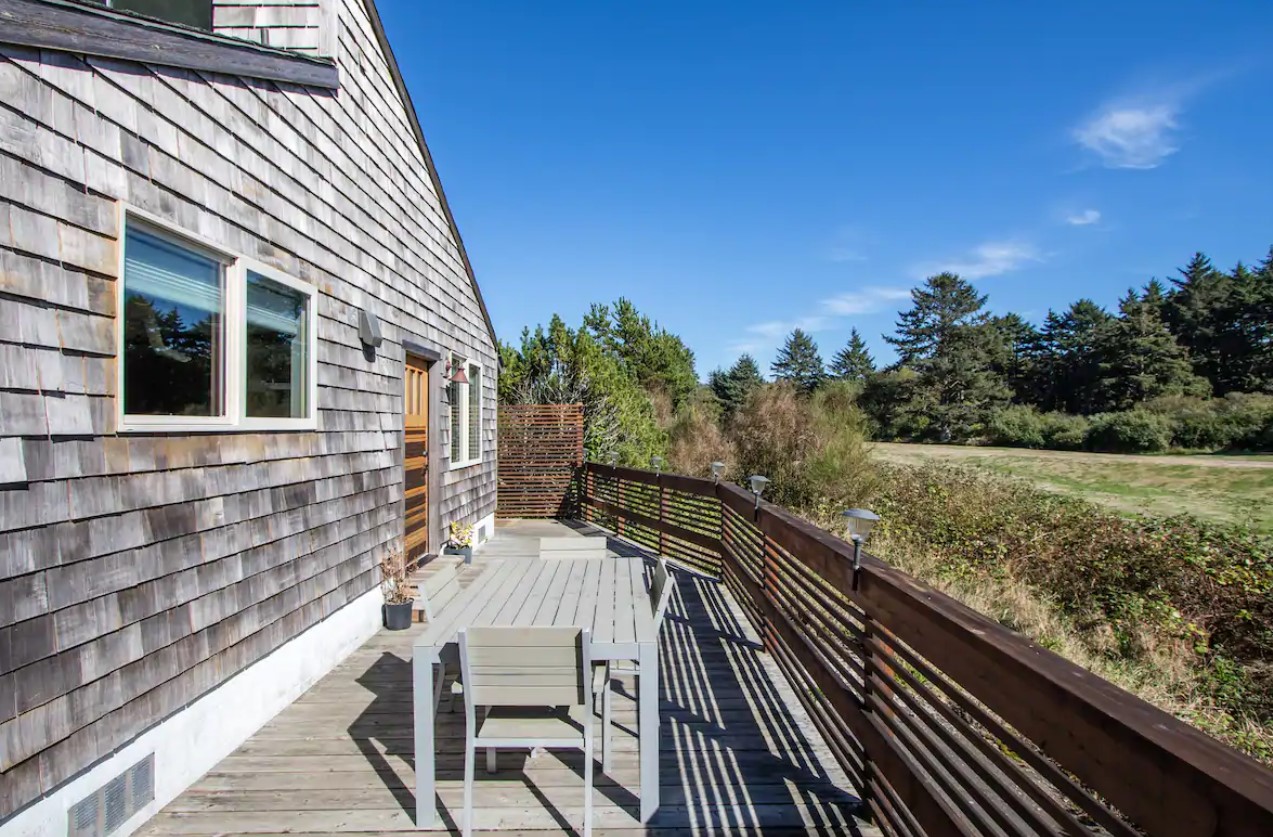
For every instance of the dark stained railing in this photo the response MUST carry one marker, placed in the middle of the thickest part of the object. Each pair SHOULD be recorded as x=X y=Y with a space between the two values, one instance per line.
x=948 y=722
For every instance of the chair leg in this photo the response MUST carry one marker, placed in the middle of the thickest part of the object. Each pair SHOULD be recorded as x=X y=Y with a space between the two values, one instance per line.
x=491 y=760
x=607 y=730
x=439 y=678
x=470 y=756
x=587 y=789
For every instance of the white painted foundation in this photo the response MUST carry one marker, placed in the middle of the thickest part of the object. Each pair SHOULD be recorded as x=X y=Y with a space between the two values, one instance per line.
x=486 y=524
x=190 y=743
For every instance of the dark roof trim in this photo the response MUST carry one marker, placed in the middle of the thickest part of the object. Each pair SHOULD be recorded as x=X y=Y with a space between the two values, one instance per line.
x=413 y=348
x=379 y=28
x=96 y=30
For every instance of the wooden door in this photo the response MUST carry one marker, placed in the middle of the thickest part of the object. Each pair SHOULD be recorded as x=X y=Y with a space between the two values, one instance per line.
x=416 y=460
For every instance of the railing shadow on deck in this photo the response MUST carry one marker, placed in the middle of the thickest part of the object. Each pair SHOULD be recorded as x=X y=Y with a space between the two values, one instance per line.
x=731 y=753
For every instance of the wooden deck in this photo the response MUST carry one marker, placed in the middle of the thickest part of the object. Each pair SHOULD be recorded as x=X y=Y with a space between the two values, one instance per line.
x=738 y=754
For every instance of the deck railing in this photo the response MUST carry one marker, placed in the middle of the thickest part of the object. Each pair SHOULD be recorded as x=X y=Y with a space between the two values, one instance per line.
x=947 y=722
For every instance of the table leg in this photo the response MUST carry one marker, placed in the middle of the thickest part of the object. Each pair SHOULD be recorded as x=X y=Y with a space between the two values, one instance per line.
x=648 y=725
x=426 y=813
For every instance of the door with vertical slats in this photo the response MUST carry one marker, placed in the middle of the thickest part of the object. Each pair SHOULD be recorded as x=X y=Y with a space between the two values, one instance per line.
x=416 y=461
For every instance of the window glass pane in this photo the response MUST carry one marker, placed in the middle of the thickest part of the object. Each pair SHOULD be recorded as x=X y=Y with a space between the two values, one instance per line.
x=475 y=411
x=457 y=425
x=173 y=329
x=190 y=12
x=277 y=354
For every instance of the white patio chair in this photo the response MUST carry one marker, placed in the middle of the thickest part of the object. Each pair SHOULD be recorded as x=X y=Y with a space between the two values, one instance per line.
x=515 y=673
x=660 y=594
x=567 y=548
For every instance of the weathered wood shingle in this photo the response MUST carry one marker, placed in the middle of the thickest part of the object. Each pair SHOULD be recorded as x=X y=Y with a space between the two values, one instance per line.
x=139 y=571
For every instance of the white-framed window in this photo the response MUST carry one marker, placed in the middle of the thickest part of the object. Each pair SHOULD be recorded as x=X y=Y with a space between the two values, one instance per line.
x=210 y=340
x=466 y=415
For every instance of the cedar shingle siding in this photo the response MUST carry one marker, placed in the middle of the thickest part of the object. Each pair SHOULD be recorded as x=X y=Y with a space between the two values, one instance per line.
x=138 y=571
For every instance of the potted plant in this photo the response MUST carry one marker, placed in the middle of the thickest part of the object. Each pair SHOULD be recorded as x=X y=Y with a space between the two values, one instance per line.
x=460 y=542
x=399 y=594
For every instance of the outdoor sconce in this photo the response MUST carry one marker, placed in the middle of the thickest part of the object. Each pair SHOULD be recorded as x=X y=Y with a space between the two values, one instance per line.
x=453 y=375
x=858 y=524
x=718 y=468
x=369 y=329
x=656 y=462
x=757 y=483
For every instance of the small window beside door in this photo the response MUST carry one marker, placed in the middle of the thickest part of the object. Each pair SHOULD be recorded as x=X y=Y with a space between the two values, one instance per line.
x=466 y=415
x=210 y=340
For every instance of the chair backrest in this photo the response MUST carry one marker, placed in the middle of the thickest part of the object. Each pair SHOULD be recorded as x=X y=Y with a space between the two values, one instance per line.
x=660 y=592
x=436 y=588
x=542 y=666
x=572 y=548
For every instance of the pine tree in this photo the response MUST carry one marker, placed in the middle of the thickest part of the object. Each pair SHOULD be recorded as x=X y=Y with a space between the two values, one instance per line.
x=1200 y=310
x=943 y=304
x=732 y=387
x=854 y=361
x=1140 y=359
x=948 y=339
x=1068 y=372
x=798 y=361
x=1015 y=354
x=1257 y=325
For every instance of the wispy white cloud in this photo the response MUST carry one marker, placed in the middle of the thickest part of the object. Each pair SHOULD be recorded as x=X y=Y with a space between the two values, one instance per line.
x=1132 y=134
x=864 y=301
x=845 y=254
x=763 y=336
x=850 y=244
x=1083 y=218
x=992 y=258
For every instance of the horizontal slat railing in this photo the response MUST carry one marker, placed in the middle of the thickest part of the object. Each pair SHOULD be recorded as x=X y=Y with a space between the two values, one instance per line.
x=948 y=722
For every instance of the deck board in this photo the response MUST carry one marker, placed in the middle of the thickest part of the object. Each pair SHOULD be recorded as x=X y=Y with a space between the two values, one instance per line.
x=737 y=753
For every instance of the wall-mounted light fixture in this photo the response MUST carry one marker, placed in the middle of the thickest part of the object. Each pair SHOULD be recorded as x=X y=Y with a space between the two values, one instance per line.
x=858 y=524
x=718 y=468
x=453 y=374
x=369 y=331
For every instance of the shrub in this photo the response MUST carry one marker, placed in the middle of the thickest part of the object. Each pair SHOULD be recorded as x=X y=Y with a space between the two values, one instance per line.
x=812 y=449
x=695 y=441
x=1177 y=593
x=1018 y=426
x=1062 y=431
x=1131 y=431
x=1250 y=418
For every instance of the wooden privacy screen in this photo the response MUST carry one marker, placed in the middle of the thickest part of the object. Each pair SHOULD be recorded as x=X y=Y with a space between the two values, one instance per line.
x=948 y=722
x=540 y=451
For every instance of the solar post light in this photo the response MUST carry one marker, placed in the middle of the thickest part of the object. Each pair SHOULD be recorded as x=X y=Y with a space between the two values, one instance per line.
x=656 y=462
x=757 y=483
x=858 y=524
x=614 y=458
x=718 y=468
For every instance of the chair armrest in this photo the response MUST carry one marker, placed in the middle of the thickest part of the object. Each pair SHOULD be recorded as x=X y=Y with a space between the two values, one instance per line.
x=600 y=677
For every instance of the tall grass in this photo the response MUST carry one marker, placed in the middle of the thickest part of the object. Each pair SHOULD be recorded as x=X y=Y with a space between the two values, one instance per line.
x=1176 y=610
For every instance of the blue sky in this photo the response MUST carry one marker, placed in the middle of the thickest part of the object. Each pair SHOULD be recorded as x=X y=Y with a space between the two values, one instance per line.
x=740 y=168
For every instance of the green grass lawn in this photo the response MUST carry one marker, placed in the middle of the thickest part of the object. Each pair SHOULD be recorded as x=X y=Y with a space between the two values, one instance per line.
x=1228 y=489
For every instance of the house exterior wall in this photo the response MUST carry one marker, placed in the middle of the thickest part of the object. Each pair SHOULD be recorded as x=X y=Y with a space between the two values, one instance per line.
x=140 y=571
x=298 y=25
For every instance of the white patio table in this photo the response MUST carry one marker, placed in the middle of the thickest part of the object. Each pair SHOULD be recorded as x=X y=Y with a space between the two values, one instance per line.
x=608 y=596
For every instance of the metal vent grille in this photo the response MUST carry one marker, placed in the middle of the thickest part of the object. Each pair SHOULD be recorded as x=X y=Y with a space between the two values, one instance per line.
x=103 y=812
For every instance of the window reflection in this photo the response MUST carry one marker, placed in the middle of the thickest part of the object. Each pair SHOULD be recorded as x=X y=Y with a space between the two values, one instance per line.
x=173 y=340
x=277 y=362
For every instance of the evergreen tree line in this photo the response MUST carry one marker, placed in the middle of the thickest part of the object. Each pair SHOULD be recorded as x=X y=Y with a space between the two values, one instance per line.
x=1187 y=364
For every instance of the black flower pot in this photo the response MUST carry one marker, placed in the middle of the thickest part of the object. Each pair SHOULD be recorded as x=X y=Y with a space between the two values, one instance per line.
x=465 y=551
x=398 y=616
